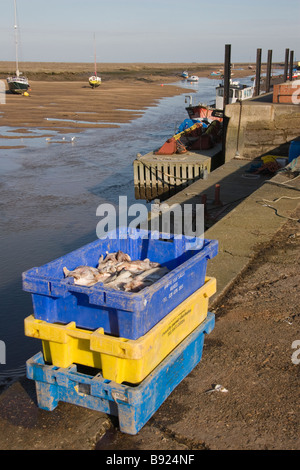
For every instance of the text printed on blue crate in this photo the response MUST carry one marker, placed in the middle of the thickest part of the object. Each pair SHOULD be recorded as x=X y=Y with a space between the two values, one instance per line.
x=152 y=459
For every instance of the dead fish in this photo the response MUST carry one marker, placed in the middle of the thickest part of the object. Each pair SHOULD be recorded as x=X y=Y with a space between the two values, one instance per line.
x=110 y=256
x=145 y=279
x=135 y=266
x=80 y=271
x=103 y=276
x=122 y=257
x=153 y=274
x=118 y=279
x=153 y=264
x=118 y=271
x=119 y=256
x=100 y=261
x=109 y=267
x=136 y=285
x=85 y=275
x=112 y=259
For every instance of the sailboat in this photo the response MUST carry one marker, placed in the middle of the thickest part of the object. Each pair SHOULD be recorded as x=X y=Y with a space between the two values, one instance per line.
x=16 y=83
x=94 y=80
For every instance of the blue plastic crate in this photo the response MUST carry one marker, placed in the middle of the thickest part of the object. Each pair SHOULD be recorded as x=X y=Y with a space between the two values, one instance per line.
x=294 y=150
x=134 y=405
x=126 y=314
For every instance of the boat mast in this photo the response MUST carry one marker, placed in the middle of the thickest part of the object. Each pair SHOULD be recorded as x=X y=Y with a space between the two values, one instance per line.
x=16 y=39
x=95 y=55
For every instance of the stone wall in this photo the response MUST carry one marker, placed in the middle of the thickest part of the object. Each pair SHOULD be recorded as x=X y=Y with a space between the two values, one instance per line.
x=257 y=127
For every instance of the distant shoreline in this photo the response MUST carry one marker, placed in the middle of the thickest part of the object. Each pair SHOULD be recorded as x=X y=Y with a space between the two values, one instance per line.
x=70 y=71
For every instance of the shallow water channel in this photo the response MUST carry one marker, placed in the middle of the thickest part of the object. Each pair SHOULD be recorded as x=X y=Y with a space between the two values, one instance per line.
x=49 y=193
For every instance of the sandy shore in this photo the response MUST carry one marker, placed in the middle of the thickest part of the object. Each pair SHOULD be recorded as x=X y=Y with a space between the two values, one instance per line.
x=61 y=99
x=75 y=106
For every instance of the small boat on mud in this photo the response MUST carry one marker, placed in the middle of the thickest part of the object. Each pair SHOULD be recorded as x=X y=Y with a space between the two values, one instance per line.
x=95 y=80
x=16 y=83
x=193 y=78
x=185 y=74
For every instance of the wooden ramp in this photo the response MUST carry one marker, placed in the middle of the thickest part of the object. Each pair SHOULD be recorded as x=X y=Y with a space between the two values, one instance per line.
x=161 y=176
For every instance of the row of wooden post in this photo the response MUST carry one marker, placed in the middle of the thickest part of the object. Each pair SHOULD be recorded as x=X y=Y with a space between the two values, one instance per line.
x=288 y=74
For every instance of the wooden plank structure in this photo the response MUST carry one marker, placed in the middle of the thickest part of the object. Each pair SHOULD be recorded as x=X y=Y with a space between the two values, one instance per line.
x=161 y=176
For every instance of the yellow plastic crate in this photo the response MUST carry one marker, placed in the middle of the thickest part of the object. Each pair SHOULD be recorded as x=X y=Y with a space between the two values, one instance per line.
x=121 y=359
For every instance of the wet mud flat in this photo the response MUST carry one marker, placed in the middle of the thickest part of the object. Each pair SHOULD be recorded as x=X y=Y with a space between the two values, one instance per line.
x=75 y=106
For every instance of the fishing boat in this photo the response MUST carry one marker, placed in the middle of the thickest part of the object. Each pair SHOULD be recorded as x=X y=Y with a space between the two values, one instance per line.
x=17 y=84
x=94 y=80
x=203 y=112
x=185 y=74
x=237 y=92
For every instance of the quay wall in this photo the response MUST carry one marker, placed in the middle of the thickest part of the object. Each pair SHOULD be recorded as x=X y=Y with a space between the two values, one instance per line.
x=258 y=126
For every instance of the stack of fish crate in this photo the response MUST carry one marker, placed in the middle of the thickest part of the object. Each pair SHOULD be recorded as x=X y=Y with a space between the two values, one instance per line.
x=121 y=353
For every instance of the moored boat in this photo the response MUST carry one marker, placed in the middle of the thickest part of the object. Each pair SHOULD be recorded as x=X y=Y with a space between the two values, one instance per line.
x=185 y=74
x=193 y=78
x=17 y=84
x=237 y=92
x=94 y=80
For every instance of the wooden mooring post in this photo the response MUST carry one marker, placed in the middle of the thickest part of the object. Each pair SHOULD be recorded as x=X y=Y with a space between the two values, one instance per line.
x=286 y=65
x=291 y=65
x=269 y=71
x=257 y=73
x=227 y=76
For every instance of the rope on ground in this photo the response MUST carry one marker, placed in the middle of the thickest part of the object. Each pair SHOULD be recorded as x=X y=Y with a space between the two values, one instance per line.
x=290 y=180
x=264 y=202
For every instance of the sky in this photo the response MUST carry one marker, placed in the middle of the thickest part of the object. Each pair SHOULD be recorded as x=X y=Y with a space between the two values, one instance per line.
x=149 y=30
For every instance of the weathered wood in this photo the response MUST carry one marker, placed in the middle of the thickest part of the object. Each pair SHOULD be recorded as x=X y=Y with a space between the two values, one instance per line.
x=160 y=176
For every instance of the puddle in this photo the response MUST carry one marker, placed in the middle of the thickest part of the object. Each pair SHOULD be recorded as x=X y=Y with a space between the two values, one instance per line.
x=84 y=122
x=12 y=137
